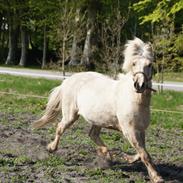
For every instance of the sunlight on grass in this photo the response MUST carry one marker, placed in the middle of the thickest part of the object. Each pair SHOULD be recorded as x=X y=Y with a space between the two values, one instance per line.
x=27 y=85
x=170 y=76
x=168 y=100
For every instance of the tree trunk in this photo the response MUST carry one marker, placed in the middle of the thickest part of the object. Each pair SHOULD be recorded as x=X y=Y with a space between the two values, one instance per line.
x=90 y=41
x=3 y=37
x=24 y=47
x=87 y=49
x=63 y=55
x=1 y=29
x=12 y=40
x=44 y=48
x=75 y=49
x=11 y=46
x=74 y=52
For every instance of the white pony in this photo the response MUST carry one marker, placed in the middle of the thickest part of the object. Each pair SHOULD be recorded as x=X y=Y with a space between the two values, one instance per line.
x=122 y=104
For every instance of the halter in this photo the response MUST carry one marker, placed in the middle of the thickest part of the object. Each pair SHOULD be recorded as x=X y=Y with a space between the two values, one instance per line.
x=147 y=79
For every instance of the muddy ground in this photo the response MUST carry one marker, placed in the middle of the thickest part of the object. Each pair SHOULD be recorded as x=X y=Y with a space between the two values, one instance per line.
x=24 y=158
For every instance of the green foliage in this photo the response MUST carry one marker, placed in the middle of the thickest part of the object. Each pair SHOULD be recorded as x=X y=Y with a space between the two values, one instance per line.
x=178 y=6
x=158 y=10
x=169 y=52
x=178 y=43
x=146 y=19
x=163 y=18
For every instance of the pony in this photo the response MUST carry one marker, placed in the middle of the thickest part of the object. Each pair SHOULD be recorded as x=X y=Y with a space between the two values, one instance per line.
x=122 y=104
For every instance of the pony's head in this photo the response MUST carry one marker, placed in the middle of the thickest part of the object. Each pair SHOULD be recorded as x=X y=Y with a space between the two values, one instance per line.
x=138 y=58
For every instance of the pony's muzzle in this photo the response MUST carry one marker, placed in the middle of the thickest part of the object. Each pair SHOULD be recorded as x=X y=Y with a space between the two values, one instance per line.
x=139 y=83
x=139 y=87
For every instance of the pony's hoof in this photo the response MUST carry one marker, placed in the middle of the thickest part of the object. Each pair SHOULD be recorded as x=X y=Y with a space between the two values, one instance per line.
x=131 y=158
x=158 y=179
x=51 y=148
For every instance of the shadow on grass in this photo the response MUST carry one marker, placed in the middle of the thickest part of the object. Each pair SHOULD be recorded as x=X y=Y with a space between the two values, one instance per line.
x=169 y=172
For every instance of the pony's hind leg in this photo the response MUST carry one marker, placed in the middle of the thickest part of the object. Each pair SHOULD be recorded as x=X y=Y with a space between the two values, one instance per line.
x=62 y=126
x=102 y=149
x=137 y=140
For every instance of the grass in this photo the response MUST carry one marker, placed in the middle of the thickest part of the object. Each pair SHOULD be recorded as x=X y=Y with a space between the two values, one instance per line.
x=172 y=104
x=170 y=76
x=23 y=157
x=168 y=100
x=25 y=85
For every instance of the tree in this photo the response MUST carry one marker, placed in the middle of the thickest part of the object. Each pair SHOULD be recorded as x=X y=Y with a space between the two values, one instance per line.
x=24 y=46
x=24 y=21
x=3 y=35
x=162 y=17
x=42 y=18
x=75 y=53
x=90 y=45
x=13 y=28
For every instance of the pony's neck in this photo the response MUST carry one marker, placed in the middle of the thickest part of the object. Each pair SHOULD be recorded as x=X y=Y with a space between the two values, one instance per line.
x=143 y=98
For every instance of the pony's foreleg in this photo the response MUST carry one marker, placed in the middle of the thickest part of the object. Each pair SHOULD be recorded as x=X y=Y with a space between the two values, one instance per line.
x=136 y=157
x=102 y=149
x=137 y=140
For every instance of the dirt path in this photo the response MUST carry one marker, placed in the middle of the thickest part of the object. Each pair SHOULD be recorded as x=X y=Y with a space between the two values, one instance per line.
x=23 y=156
x=36 y=73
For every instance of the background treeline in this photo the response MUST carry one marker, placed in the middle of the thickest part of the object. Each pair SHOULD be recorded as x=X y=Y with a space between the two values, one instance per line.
x=88 y=34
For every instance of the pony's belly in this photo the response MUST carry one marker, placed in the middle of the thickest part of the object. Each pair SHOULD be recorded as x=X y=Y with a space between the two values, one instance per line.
x=97 y=106
x=101 y=118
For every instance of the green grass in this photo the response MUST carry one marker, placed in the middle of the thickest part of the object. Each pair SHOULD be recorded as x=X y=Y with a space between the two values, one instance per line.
x=168 y=100
x=20 y=86
x=170 y=76
x=77 y=151
x=25 y=85
x=171 y=105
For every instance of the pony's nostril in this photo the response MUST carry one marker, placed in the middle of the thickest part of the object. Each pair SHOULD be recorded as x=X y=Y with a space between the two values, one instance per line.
x=136 y=85
x=143 y=85
x=139 y=88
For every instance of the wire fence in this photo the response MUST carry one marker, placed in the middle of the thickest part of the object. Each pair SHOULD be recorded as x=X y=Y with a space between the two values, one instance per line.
x=23 y=95
x=42 y=97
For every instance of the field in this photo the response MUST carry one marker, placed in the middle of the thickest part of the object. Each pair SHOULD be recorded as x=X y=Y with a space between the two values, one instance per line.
x=23 y=154
x=170 y=76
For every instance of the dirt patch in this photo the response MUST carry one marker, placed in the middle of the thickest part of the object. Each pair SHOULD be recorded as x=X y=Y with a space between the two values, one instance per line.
x=24 y=158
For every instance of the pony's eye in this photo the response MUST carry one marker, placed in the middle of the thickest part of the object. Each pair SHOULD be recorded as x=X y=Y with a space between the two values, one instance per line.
x=133 y=64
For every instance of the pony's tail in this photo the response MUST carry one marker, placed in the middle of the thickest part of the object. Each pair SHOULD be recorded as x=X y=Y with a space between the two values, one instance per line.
x=53 y=108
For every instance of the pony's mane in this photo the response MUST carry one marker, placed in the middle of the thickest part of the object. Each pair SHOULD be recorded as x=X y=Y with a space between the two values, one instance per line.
x=136 y=49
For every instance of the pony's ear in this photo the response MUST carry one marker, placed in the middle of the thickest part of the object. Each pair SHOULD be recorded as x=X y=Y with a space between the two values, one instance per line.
x=136 y=47
x=150 y=50
x=149 y=46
